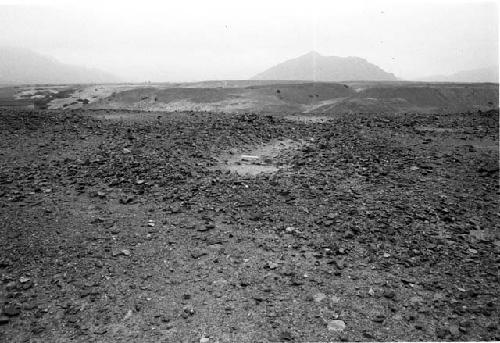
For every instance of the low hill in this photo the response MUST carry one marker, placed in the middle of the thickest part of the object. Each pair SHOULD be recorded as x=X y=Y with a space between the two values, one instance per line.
x=23 y=66
x=315 y=67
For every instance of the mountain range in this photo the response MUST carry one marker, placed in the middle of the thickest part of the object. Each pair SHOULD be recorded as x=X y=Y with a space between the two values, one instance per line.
x=489 y=74
x=23 y=66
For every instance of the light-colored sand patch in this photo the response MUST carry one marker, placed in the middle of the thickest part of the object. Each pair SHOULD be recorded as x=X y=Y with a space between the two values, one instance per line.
x=235 y=103
x=90 y=93
x=312 y=108
x=93 y=94
x=436 y=129
x=230 y=105
x=30 y=92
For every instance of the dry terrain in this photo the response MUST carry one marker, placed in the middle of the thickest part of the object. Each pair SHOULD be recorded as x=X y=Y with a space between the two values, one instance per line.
x=123 y=225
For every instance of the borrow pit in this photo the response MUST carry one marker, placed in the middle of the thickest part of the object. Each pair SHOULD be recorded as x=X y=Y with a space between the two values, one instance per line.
x=309 y=118
x=264 y=159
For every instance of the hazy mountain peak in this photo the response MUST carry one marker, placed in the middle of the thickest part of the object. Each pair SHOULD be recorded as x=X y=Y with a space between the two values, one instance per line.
x=312 y=53
x=19 y=65
x=315 y=67
x=487 y=74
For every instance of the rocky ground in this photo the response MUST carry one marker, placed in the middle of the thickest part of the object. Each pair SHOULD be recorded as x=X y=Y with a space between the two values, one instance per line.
x=131 y=228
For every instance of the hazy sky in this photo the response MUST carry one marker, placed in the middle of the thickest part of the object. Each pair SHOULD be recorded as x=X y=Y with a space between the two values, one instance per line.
x=186 y=40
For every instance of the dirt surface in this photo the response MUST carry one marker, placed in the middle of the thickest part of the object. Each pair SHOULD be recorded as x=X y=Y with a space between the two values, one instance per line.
x=118 y=226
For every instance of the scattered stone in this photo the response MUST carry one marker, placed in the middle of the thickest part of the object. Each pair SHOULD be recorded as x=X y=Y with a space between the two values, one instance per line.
x=272 y=265
x=29 y=306
x=438 y=296
x=128 y=200
x=101 y=330
x=492 y=326
x=397 y=317
x=205 y=228
x=454 y=330
x=408 y=281
x=480 y=235
x=4 y=262
x=292 y=230
x=12 y=310
x=389 y=294
x=127 y=315
x=197 y=253
x=285 y=335
x=336 y=325
x=339 y=264
x=169 y=171
x=348 y=234
x=319 y=297
x=23 y=279
x=368 y=334
x=379 y=318
x=249 y=157
x=204 y=340
x=124 y=252
x=187 y=311
x=38 y=329
x=334 y=299
x=416 y=300
x=442 y=332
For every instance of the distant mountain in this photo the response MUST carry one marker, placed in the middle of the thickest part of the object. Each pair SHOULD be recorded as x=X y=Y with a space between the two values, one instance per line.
x=489 y=74
x=23 y=66
x=315 y=67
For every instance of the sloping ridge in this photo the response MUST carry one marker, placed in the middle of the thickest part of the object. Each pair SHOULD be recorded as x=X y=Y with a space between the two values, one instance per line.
x=315 y=67
x=488 y=74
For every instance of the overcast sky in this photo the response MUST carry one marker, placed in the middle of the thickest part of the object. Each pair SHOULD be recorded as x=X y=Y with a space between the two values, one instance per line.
x=187 y=40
